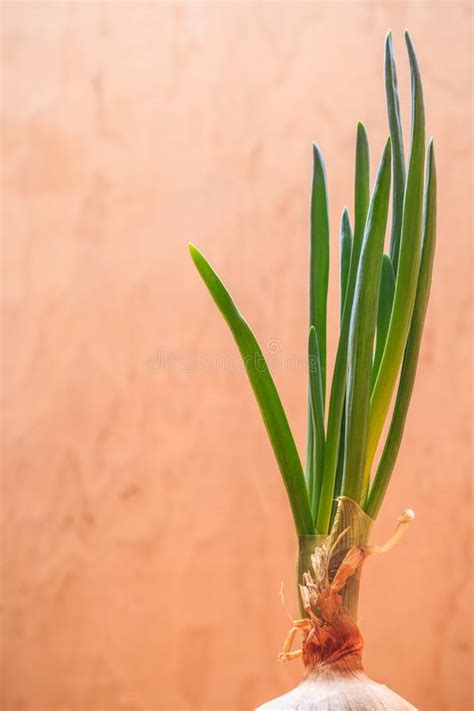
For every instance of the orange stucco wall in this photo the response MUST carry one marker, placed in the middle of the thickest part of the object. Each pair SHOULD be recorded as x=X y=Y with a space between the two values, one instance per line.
x=146 y=530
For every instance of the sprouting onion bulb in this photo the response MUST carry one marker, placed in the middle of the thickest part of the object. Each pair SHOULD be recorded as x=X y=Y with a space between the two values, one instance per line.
x=383 y=293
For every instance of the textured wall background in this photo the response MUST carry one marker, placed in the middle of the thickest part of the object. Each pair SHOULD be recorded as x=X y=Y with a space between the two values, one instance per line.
x=145 y=527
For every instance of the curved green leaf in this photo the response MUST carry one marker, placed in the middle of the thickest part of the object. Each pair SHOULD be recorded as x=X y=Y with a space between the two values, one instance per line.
x=266 y=395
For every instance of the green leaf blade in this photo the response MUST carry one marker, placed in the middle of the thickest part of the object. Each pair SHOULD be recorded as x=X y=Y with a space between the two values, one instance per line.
x=361 y=188
x=362 y=331
x=266 y=394
x=407 y=273
x=337 y=397
x=386 y=293
x=398 y=159
x=318 y=291
x=345 y=250
x=319 y=257
x=412 y=351
x=317 y=414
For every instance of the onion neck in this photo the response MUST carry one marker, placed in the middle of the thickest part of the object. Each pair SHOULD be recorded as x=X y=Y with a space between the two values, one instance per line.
x=334 y=644
x=306 y=546
x=351 y=527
